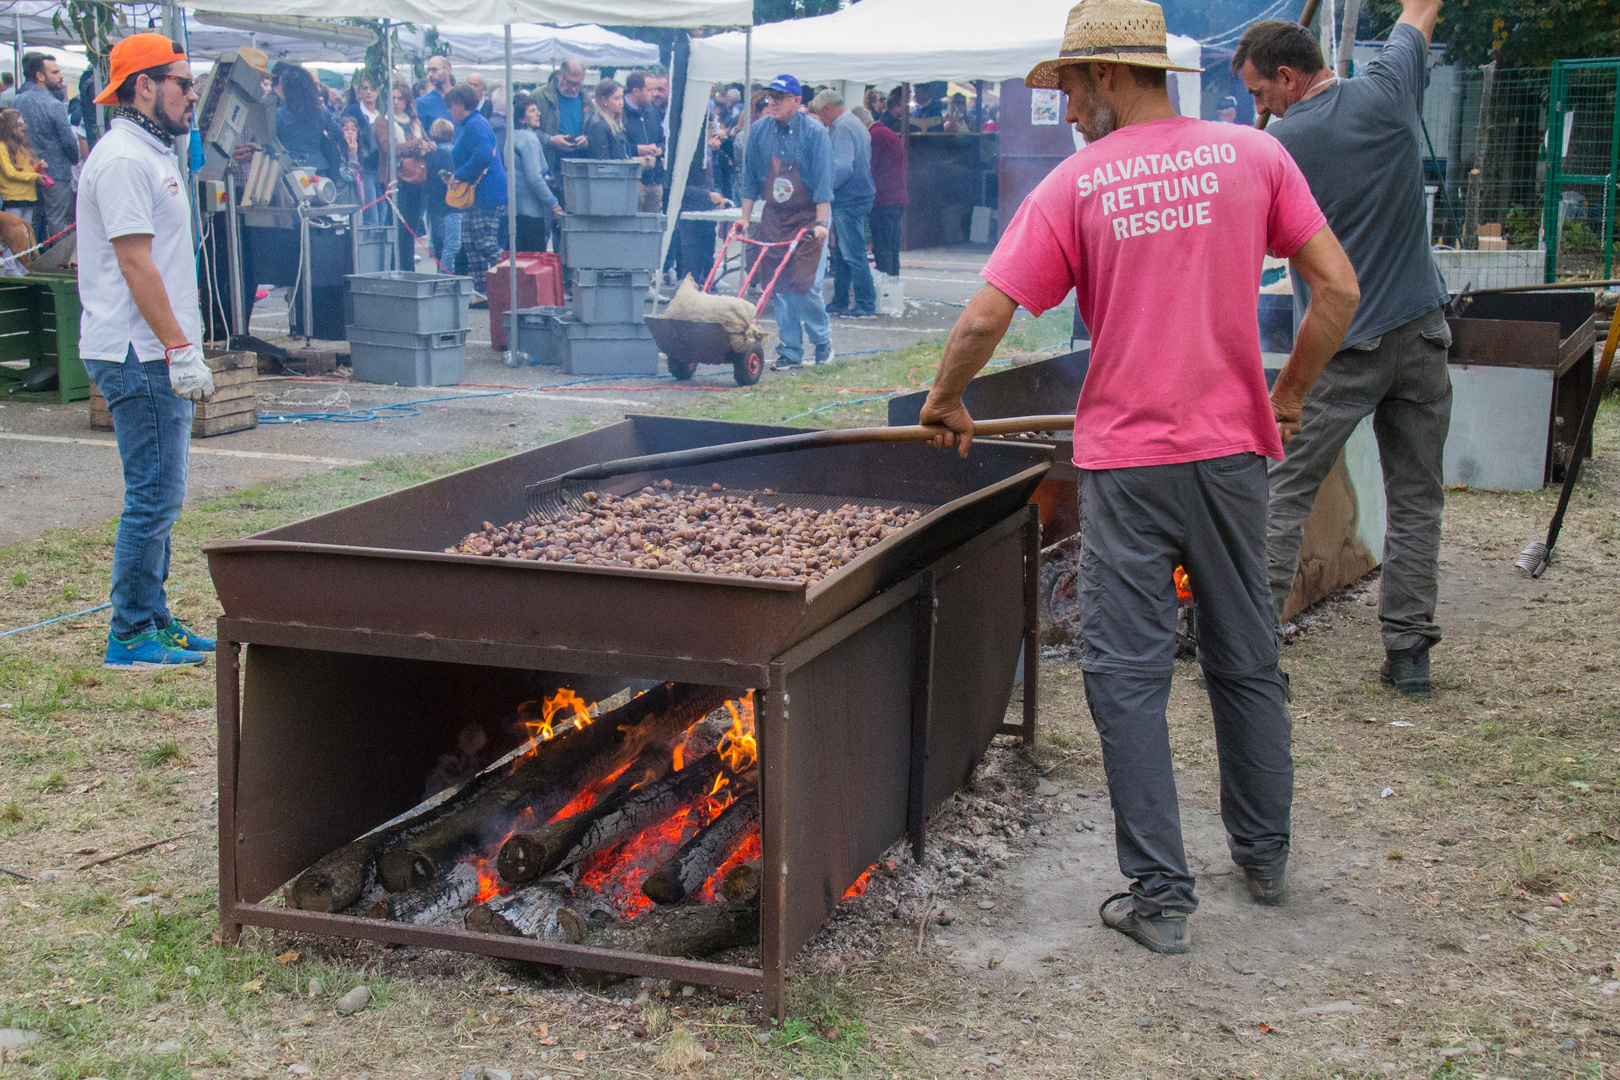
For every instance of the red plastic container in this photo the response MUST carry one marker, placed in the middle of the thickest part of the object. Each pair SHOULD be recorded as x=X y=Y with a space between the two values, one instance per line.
x=539 y=284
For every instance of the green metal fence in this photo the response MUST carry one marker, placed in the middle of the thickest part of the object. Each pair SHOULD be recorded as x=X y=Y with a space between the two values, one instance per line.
x=1583 y=165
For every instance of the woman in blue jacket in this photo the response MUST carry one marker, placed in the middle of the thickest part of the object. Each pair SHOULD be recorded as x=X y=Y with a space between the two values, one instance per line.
x=473 y=161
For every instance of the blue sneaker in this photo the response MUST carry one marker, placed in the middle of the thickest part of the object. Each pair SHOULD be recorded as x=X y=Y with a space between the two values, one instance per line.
x=180 y=636
x=146 y=651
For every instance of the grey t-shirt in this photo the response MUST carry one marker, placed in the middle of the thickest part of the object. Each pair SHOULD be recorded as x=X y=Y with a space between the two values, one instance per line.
x=1358 y=144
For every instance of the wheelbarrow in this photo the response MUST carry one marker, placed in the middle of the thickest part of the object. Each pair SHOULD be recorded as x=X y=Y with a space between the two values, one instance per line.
x=687 y=344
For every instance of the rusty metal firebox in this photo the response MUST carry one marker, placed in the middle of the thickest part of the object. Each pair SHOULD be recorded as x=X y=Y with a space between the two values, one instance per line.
x=877 y=690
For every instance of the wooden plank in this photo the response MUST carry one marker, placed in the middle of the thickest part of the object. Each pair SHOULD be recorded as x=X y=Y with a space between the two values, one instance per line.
x=233 y=361
x=235 y=377
x=224 y=425
x=229 y=408
x=230 y=394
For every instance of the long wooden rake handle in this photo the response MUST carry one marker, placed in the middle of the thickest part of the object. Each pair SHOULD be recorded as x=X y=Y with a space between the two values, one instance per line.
x=809 y=440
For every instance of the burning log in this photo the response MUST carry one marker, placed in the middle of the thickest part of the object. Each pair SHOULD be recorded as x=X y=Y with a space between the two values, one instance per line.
x=414 y=849
x=742 y=882
x=436 y=899
x=530 y=912
x=692 y=932
x=626 y=808
x=685 y=872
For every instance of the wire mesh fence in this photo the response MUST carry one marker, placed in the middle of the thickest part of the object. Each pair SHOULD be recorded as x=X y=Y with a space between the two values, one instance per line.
x=1484 y=157
x=1584 y=139
x=1513 y=206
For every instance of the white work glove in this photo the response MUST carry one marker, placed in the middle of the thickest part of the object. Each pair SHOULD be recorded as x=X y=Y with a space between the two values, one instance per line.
x=189 y=377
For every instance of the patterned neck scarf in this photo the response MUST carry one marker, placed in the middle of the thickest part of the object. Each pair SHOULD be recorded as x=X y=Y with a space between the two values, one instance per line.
x=146 y=123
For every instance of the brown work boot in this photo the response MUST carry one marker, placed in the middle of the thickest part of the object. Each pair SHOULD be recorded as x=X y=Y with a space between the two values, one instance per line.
x=1165 y=932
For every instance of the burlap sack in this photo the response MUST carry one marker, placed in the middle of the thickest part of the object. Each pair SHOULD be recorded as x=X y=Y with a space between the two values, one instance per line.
x=732 y=312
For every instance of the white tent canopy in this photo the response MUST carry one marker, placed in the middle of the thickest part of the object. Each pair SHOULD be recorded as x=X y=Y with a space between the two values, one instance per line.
x=595 y=46
x=886 y=41
x=494 y=13
x=889 y=41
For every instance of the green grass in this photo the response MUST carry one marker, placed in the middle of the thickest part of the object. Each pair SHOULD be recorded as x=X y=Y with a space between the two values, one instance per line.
x=844 y=383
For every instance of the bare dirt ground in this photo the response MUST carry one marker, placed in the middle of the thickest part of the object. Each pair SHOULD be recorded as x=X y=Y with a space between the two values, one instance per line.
x=1455 y=910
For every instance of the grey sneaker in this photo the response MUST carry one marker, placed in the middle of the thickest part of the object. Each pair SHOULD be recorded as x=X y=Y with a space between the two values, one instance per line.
x=824 y=353
x=785 y=364
x=1165 y=932
x=1407 y=670
x=1269 y=889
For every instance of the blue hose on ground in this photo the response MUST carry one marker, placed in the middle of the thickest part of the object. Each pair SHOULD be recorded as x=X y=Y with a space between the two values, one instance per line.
x=404 y=409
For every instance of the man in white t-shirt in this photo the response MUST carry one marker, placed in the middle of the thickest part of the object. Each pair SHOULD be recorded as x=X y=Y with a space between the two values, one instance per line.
x=139 y=330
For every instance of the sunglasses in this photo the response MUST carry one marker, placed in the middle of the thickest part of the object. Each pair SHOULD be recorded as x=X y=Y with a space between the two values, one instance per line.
x=184 y=84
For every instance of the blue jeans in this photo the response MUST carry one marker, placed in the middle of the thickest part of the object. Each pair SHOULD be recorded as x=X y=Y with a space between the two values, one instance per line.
x=799 y=314
x=849 y=266
x=153 y=428
x=446 y=241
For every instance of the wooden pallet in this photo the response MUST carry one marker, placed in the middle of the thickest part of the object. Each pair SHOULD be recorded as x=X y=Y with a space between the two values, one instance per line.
x=233 y=406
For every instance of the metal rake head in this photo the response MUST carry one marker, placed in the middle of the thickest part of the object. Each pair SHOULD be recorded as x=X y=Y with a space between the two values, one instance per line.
x=1535 y=558
x=551 y=500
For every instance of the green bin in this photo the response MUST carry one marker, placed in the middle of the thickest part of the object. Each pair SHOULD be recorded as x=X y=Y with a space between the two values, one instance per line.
x=39 y=336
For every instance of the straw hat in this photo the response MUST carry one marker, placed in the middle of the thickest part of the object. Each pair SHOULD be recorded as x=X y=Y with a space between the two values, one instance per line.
x=1120 y=31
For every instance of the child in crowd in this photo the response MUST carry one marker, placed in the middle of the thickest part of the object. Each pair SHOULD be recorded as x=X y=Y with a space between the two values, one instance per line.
x=20 y=172
x=444 y=224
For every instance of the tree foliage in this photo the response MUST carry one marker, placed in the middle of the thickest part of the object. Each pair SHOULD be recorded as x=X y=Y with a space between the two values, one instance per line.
x=1515 y=33
x=767 y=11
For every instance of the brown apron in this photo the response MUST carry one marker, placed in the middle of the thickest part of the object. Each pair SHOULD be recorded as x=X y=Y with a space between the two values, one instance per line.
x=788 y=208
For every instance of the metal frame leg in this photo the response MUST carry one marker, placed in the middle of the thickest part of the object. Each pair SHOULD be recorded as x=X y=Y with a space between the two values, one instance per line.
x=1032 y=623
x=770 y=720
x=926 y=618
x=227 y=676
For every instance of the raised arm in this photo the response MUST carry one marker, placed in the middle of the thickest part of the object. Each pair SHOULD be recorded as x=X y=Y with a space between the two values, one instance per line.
x=1422 y=14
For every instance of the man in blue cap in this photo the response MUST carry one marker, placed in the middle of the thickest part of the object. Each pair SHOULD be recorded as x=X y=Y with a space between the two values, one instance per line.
x=790 y=166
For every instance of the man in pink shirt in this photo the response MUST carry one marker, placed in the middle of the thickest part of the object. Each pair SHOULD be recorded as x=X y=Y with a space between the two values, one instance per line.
x=1159 y=225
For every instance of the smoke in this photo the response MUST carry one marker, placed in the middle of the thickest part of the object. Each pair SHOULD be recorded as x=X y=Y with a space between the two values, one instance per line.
x=457 y=768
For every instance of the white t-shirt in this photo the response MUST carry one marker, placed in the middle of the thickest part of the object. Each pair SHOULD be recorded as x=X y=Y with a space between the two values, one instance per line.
x=131 y=186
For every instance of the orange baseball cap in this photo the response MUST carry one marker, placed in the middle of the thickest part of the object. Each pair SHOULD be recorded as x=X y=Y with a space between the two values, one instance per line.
x=135 y=54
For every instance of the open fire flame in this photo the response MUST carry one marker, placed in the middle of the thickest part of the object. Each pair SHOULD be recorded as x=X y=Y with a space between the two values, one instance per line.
x=1184 y=595
x=618 y=873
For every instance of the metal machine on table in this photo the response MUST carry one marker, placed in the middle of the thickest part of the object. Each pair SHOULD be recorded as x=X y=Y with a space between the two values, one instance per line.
x=278 y=199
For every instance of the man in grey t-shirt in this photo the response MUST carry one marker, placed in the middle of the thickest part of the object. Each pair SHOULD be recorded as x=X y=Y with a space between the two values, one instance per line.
x=1357 y=142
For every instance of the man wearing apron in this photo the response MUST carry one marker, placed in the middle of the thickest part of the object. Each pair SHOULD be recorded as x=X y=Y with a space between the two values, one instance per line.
x=790 y=167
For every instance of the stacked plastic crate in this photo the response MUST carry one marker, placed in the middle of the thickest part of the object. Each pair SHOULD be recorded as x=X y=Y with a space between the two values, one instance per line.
x=408 y=329
x=611 y=252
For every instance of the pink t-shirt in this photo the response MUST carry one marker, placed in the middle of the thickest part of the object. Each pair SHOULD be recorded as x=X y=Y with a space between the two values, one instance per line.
x=1160 y=229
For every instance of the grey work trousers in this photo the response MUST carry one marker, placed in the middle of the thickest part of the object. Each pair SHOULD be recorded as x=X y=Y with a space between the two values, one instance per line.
x=1403 y=382
x=1137 y=525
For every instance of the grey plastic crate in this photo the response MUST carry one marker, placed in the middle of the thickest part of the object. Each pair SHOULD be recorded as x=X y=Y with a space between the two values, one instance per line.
x=612 y=243
x=610 y=296
x=597 y=188
x=537 y=334
x=398 y=358
x=608 y=349
x=401 y=301
x=372 y=245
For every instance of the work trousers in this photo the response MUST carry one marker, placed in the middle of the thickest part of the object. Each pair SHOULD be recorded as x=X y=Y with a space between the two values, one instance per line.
x=1137 y=525
x=885 y=224
x=1402 y=381
x=802 y=315
x=850 y=270
x=153 y=429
